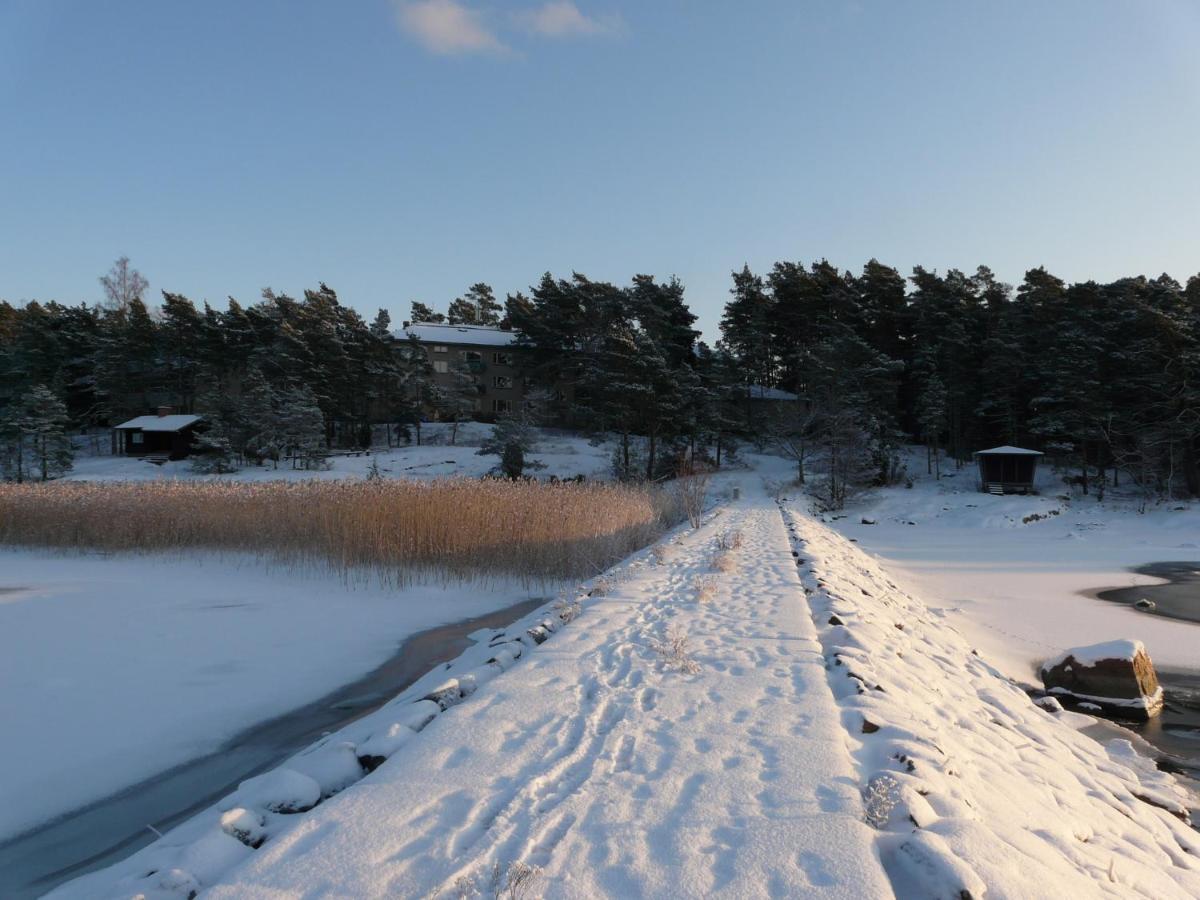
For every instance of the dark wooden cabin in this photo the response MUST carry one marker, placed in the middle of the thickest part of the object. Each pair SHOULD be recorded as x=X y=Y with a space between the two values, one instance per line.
x=157 y=438
x=1007 y=470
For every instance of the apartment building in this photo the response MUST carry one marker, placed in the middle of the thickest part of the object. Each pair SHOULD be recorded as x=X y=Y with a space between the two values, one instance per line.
x=484 y=352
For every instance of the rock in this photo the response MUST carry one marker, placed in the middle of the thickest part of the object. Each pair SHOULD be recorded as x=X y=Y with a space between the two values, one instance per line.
x=1148 y=605
x=867 y=521
x=1049 y=704
x=1116 y=675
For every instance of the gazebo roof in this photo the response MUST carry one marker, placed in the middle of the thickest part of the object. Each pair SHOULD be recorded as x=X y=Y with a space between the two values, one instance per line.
x=1008 y=451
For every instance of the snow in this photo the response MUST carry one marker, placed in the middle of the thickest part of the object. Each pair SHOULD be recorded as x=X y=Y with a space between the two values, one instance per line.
x=1094 y=653
x=564 y=456
x=117 y=667
x=1018 y=574
x=160 y=423
x=590 y=758
x=479 y=335
x=1002 y=793
x=834 y=737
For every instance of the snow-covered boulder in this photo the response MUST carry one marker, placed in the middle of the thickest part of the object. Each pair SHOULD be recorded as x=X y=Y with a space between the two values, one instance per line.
x=281 y=790
x=1114 y=674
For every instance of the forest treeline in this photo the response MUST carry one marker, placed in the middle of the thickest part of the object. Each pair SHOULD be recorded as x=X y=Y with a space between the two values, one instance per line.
x=1103 y=377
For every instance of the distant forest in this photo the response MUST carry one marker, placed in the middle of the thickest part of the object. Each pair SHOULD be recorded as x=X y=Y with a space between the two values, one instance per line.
x=1105 y=378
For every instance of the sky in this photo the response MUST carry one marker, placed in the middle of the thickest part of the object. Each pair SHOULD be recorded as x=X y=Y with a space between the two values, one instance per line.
x=402 y=151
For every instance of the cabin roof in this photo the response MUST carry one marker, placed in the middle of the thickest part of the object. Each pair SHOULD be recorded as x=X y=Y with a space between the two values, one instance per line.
x=437 y=333
x=159 y=423
x=1008 y=451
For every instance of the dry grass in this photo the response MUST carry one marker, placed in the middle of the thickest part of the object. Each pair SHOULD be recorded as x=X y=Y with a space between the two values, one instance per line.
x=676 y=652
x=397 y=530
x=725 y=561
x=706 y=588
x=730 y=540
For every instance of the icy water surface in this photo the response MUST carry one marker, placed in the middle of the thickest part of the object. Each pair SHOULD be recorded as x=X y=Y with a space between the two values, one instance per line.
x=1179 y=598
x=104 y=832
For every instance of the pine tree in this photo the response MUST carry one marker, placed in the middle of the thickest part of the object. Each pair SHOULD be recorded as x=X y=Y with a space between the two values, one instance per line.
x=33 y=437
x=213 y=452
x=477 y=307
x=512 y=439
x=381 y=325
x=423 y=313
x=302 y=428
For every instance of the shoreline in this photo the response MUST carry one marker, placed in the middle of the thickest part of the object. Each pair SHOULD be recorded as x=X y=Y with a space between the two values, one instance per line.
x=107 y=830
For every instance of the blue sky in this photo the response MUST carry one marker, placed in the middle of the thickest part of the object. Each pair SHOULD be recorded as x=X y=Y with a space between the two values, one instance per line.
x=402 y=151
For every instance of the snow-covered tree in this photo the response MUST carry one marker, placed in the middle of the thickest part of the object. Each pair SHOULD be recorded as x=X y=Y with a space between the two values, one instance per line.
x=512 y=439
x=302 y=428
x=34 y=444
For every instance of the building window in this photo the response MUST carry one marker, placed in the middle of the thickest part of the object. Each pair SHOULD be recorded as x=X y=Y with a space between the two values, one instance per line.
x=440 y=348
x=441 y=366
x=472 y=356
x=501 y=381
x=501 y=406
x=136 y=437
x=502 y=359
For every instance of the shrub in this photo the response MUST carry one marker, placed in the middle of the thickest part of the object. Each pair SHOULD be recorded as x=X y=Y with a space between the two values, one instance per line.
x=675 y=651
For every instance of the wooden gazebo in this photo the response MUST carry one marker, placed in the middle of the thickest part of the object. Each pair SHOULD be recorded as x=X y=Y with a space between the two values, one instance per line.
x=1007 y=470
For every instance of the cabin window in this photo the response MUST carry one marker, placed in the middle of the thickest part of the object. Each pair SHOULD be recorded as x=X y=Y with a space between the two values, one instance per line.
x=472 y=356
x=440 y=348
x=501 y=406
x=441 y=366
x=136 y=437
x=501 y=381
x=502 y=359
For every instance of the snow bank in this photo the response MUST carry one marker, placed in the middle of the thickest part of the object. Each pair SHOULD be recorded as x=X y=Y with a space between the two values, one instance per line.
x=970 y=784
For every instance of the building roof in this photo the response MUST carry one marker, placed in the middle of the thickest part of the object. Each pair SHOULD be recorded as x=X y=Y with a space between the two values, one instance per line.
x=437 y=333
x=159 y=423
x=762 y=392
x=1008 y=451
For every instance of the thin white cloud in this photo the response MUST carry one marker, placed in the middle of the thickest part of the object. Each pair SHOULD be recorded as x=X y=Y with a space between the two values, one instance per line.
x=562 y=18
x=447 y=27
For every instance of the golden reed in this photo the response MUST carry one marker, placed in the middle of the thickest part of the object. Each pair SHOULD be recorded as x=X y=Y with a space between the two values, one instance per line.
x=395 y=530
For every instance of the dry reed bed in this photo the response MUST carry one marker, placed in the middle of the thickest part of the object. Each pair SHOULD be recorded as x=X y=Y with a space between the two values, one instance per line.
x=398 y=530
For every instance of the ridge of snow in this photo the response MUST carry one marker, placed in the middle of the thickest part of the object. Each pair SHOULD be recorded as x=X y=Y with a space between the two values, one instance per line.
x=971 y=783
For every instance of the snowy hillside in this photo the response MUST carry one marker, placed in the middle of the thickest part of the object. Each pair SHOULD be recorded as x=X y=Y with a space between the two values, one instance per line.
x=751 y=709
x=563 y=455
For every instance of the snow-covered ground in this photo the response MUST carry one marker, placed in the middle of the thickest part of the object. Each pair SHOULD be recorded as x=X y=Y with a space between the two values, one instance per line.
x=1020 y=588
x=563 y=455
x=815 y=731
x=114 y=668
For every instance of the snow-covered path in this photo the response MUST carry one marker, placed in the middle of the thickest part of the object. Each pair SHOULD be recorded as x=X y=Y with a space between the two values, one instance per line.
x=824 y=734
x=618 y=775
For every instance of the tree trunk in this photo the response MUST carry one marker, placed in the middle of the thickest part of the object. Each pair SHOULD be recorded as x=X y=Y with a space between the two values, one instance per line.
x=650 y=458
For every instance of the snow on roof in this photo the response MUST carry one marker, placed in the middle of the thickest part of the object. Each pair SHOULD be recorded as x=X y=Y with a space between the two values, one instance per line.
x=436 y=333
x=762 y=392
x=160 y=423
x=1093 y=653
x=1008 y=451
